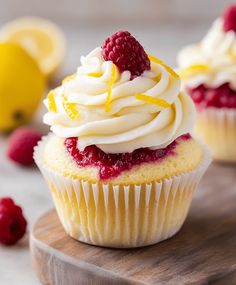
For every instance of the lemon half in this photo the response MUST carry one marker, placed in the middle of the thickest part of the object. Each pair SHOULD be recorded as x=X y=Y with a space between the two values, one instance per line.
x=42 y=39
x=22 y=86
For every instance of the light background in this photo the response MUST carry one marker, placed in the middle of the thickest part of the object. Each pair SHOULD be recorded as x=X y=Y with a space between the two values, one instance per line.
x=163 y=26
x=107 y=11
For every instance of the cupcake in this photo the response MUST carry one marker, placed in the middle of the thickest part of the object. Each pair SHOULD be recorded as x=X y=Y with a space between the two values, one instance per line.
x=208 y=73
x=120 y=162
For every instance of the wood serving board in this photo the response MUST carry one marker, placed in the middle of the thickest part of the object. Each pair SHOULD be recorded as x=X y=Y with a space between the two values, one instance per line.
x=203 y=252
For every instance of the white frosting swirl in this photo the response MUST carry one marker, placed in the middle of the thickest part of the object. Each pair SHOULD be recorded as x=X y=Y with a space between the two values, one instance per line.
x=217 y=50
x=131 y=123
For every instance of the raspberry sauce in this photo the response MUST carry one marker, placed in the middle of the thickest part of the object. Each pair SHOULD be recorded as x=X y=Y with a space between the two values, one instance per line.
x=112 y=165
x=220 y=97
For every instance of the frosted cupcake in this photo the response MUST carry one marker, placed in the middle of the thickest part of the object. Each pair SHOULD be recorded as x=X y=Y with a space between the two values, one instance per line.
x=120 y=162
x=208 y=71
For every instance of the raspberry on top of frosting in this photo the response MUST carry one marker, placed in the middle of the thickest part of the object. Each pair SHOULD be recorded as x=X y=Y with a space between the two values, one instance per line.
x=120 y=108
x=229 y=19
x=212 y=61
x=126 y=53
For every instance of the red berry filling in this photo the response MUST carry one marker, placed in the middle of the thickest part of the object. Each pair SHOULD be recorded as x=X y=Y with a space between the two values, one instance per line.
x=126 y=53
x=112 y=165
x=220 y=97
x=229 y=19
x=12 y=222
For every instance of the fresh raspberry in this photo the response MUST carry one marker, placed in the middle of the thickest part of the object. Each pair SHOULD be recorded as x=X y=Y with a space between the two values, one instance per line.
x=21 y=145
x=12 y=222
x=126 y=53
x=229 y=19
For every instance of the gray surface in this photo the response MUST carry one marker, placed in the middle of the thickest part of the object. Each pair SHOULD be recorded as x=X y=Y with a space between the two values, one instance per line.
x=26 y=186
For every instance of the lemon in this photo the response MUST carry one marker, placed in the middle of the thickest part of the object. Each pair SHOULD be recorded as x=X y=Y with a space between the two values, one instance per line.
x=41 y=38
x=22 y=86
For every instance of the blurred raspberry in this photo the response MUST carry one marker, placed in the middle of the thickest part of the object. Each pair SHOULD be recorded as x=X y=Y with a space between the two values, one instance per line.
x=12 y=222
x=21 y=145
x=229 y=19
x=126 y=53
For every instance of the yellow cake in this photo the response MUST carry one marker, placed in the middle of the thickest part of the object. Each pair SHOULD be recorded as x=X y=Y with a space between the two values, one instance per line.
x=218 y=130
x=120 y=164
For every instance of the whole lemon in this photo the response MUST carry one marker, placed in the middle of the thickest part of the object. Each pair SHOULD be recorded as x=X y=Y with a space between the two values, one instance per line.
x=22 y=86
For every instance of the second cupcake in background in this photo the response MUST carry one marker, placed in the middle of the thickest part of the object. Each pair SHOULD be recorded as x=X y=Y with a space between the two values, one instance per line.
x=120 y=162
x=208 y=71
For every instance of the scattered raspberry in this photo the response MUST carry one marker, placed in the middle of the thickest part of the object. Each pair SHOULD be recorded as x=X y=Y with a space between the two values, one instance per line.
x=21 y=145
x=220 y=97
x=12 y=222
x=112 y=165
x=229 y=19
x=126 y=53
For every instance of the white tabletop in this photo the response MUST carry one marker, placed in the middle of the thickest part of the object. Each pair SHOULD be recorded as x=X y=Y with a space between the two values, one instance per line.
x=27 y=186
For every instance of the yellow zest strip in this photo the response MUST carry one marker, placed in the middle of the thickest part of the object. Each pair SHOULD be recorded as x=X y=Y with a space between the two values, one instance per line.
x=110 y=84
x=232 y=55
x=157 y=78
x=158 y=61
x=95 y=74
x=70 y=108
x=51 y=102
x=69 y=78
x=152 y=100
x=193 y=70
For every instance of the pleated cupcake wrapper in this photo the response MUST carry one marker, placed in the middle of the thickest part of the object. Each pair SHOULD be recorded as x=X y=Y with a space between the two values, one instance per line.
x=217 y=128
x=122 y=216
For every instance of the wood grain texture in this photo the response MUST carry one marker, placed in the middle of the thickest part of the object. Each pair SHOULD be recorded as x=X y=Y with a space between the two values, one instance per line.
x=203 y=252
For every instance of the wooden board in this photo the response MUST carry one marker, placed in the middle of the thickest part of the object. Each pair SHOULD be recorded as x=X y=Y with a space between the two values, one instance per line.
x=203 y=252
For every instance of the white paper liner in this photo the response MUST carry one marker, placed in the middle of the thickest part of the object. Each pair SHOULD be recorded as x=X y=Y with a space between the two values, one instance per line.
x=121 y=216
x=217 y=128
